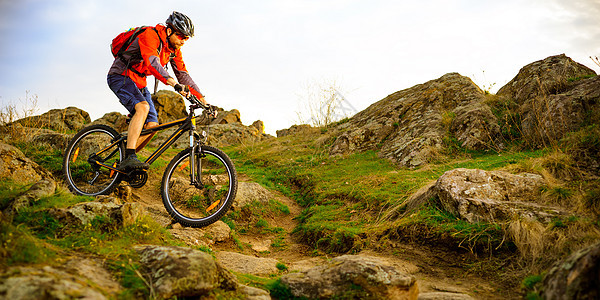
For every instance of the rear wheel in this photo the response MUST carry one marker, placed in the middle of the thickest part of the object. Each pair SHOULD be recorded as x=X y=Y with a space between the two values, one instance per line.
x=91 y=145
x=207 y=201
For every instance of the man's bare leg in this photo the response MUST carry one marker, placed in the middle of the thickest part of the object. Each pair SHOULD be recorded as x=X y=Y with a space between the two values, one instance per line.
x=137 y=124
x=145 y=139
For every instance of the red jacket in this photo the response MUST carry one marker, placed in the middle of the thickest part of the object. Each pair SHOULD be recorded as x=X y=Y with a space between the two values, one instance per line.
x=154 y=58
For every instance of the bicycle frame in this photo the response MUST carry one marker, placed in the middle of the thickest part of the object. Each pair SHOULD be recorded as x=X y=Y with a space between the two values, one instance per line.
x=185 y=124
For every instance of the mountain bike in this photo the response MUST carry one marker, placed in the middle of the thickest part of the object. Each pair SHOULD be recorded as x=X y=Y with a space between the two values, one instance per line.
x=198 y=185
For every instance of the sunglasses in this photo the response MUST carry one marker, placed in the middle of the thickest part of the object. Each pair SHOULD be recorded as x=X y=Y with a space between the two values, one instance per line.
x=182 y=37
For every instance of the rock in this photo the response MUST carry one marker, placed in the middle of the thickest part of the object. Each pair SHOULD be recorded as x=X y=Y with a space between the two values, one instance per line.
x=576 y=277
x=46 y=282
x=169 y=105
x=190 y=236
x=249 y=192
x=553 y=100
x=253 y=293
x=295 y=129
x=54 y=140
x=410 y=126
x=61 y=120
x=213 y=233
x=220 y=135
x=247 y=264
x=83 y=213
x=115 y=120
x=341 y=275
x=14 y=165
x=183 y=272
x=259 y=125
x=487 y=196
x=474 y=126
x=444 y=296
x=227 y=117
x=131 y=212
x=93 y=271
x=218 y=231
x=43 y=188
x=543 y=77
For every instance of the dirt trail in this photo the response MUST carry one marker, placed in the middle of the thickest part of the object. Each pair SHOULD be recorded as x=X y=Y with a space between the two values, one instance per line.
x=435 y=271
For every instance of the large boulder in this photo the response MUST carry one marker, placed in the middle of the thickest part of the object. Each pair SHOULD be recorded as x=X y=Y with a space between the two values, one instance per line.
x=223 y=135
x=412 y=125
x=544 y=77
x=339 y=278
x=554 y=96
x=115 y=120
x=14 y=165
x=183 y=272
x=61 y=120
x=75 y=279
x=169 y=105
x=105 y=206
x=43 y=188
x=575 y=277
x=487 y=196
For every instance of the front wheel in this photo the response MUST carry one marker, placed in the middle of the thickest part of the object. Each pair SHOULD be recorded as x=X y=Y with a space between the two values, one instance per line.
x=206 y=201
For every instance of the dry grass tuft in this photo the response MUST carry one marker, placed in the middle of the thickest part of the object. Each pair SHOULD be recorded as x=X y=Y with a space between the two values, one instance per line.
x=528 y=236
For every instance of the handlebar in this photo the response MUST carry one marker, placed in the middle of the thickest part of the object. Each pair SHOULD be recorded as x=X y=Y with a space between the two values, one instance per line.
x=210 y=109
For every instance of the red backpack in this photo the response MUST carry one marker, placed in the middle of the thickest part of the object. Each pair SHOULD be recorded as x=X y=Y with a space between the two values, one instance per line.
x=122 y=41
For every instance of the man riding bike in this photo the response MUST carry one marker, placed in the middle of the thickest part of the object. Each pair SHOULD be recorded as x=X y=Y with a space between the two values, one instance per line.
x=148 y=54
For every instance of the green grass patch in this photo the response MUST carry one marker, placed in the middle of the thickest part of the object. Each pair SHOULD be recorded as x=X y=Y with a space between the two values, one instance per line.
x=345 y=196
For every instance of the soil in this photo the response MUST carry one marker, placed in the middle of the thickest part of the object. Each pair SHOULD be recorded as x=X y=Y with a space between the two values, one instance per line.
x=436 y=270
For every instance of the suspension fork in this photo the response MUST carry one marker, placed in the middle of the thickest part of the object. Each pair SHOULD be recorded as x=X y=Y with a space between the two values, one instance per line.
x=195 y=157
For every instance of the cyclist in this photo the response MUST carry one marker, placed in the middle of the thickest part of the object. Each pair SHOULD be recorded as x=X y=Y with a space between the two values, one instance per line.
x=149 y=54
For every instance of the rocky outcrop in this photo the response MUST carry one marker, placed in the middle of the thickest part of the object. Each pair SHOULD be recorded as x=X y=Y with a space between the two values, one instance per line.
x=183 y=272
x=76 y=279
x=227 y=117
x=412 y=125
x=83 y=213
x=52 y=140
x=61 y=120
x=14 y=165
x=339 y=277
x=223 y=135
x=115 y=120
x=295 y=129
x=544 y=77
x=576 y=277
x=554 y=97
x=43 y=188
x=486 y=196
x=169 y=105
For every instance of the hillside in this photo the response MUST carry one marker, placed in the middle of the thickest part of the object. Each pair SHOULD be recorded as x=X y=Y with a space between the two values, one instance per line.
x=439 y=191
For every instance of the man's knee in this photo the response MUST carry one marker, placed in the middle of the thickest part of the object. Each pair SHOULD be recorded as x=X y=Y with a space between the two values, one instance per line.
x=142 y=107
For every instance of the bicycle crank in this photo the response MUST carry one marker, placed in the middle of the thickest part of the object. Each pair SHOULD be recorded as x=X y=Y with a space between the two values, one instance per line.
x=136 y=179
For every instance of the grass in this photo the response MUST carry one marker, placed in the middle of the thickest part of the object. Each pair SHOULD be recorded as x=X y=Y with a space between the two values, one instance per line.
x=36 y=236
x=344 y=198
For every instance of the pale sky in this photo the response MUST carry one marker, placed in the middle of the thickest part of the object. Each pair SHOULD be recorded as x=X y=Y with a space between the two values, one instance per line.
x=258 y=56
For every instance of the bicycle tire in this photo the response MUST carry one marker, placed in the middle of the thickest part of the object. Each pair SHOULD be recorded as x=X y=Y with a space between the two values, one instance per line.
x=194 y=206
x=82 y=176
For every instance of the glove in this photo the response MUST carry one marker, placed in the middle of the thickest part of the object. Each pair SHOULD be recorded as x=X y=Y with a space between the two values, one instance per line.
x=182 y=88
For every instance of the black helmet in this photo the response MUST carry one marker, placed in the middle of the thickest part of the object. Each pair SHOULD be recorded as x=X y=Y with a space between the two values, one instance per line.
x=181 y=23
